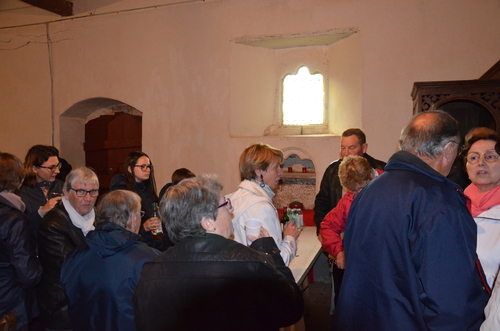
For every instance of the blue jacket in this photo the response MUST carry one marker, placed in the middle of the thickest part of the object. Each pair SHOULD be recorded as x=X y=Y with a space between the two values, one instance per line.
x=410 y=247
x=20 y=269
x=100 y=279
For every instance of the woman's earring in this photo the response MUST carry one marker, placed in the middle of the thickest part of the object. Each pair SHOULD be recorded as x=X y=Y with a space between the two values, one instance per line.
x=214 y=229
x=262 y=184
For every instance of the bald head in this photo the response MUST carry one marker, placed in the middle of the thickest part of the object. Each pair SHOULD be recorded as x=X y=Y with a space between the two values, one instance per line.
x=428 y=133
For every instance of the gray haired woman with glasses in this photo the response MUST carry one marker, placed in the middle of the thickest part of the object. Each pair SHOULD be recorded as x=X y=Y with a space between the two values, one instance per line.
x=40 y=190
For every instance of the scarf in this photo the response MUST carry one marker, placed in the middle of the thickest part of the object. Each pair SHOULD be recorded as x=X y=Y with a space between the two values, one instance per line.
x=85 y=222
x=266 y=188
x=15 y=200
x=481 y=202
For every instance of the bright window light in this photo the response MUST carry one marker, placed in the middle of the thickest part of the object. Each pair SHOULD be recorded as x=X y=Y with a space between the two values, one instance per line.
x=303 y=98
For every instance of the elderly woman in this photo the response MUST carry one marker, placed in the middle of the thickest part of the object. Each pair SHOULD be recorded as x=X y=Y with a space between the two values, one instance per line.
x=20 y=270
x=483 y=168
x=139 y=177
x=207 y=281
x=112 y=250
x=40 y=190
x=260 y=172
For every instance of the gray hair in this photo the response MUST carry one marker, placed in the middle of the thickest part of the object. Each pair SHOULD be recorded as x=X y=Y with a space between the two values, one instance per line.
x=185 y=204
x=117 y=207
x=83 y=174
x=428 y=133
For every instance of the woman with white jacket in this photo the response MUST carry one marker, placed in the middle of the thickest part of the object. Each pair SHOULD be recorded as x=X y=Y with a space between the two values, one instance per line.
x=260 y=171
x=483 y=168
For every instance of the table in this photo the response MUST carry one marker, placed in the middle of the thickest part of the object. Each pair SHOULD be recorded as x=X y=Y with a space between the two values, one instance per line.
x=308 y=252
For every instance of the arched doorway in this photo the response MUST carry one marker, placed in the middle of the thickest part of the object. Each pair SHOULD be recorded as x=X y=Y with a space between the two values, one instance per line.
x=99 y=133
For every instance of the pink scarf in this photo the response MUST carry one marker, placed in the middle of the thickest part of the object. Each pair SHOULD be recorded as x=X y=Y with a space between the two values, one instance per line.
x=481 y=202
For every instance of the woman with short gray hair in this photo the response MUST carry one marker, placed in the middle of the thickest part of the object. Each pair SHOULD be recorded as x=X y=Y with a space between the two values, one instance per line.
x=221 y=284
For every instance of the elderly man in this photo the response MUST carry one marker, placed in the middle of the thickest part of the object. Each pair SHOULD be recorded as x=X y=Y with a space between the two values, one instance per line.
x=207 y=281
x=410 y=241
x=112 y=250
x=61 y=230
x=353 y=142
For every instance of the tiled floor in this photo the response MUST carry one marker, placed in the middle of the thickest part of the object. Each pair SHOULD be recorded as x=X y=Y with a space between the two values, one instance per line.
x=317 y=312
x=317 y=298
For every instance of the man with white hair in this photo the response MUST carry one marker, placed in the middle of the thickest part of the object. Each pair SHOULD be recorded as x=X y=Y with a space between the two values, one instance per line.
x=61 y=230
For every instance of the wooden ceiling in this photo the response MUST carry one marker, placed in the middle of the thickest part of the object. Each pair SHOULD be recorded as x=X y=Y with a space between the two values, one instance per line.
x=60 y=7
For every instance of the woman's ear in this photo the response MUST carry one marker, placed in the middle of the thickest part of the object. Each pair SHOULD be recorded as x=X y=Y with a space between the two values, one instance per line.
x=208 y=224
x=130 y=170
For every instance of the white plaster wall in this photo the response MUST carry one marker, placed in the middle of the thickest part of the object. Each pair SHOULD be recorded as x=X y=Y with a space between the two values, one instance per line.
x=176 y=64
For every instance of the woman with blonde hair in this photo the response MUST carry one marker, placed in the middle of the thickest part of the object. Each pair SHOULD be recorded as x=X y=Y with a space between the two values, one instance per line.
x=260 y=172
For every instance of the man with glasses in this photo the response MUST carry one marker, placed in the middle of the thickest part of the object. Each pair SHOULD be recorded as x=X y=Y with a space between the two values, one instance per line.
x=410 y=241
x=113 y=249
x=61 y=230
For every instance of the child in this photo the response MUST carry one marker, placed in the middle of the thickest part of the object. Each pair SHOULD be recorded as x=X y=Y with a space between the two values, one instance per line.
x=354 y=173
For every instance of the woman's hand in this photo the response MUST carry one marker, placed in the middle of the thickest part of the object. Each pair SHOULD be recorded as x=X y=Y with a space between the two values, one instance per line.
x=340 y=260
x=263 y=234
x=291 y=230
x=50 y=204
x=152 y=223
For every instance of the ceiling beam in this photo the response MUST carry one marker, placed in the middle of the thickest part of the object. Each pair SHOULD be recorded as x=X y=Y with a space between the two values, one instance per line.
x=60 y=7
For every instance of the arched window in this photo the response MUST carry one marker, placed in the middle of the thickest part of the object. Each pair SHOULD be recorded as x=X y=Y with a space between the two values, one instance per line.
x=303 y=99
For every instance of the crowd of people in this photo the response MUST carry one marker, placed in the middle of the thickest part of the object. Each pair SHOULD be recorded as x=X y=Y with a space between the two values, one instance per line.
x=408 y=249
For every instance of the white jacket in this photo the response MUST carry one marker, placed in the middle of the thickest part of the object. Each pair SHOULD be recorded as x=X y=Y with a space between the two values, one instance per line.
x=251 y=201
x=488 y=250
x=488 y=242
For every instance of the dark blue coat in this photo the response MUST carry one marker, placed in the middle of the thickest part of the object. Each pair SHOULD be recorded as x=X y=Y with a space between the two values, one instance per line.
x=410 y=247
x=100 y=279
x=20 y=269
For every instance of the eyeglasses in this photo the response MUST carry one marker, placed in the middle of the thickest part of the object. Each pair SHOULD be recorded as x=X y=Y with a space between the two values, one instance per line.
x=489 y=156
x=52 y=168
x=144 y=166
x=83 y=193
x=460 y=148
x=227 y=204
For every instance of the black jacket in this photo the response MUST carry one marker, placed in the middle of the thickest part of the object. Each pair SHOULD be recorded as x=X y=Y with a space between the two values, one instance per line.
x=20 y=270
x=57 y=237
x=330 y=191
x=213 y=283
x=33 y=198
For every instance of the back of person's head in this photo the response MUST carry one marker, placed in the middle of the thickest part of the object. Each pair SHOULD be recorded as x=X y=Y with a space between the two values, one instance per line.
x=83 y=175
x=181 y=174
x=258 y=156
x=355 y=132
x=35 y=157
x=186 y=203
x=428 y=133
x=11 y=172
x=118 y=207
x=354 y=171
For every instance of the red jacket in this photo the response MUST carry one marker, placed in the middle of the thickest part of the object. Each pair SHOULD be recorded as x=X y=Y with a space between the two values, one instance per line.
x=334 y=224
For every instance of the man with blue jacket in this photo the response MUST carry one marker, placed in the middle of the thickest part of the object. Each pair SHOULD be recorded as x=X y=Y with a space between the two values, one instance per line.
x=410 y=242
x=100 y=277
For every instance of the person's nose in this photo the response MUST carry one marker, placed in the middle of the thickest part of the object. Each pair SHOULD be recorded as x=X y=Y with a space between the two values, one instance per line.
x=280 y=172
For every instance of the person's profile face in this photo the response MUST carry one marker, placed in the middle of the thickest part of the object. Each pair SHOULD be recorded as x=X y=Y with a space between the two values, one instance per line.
x=224 y=221
x=48 y=171
x=350 y=146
